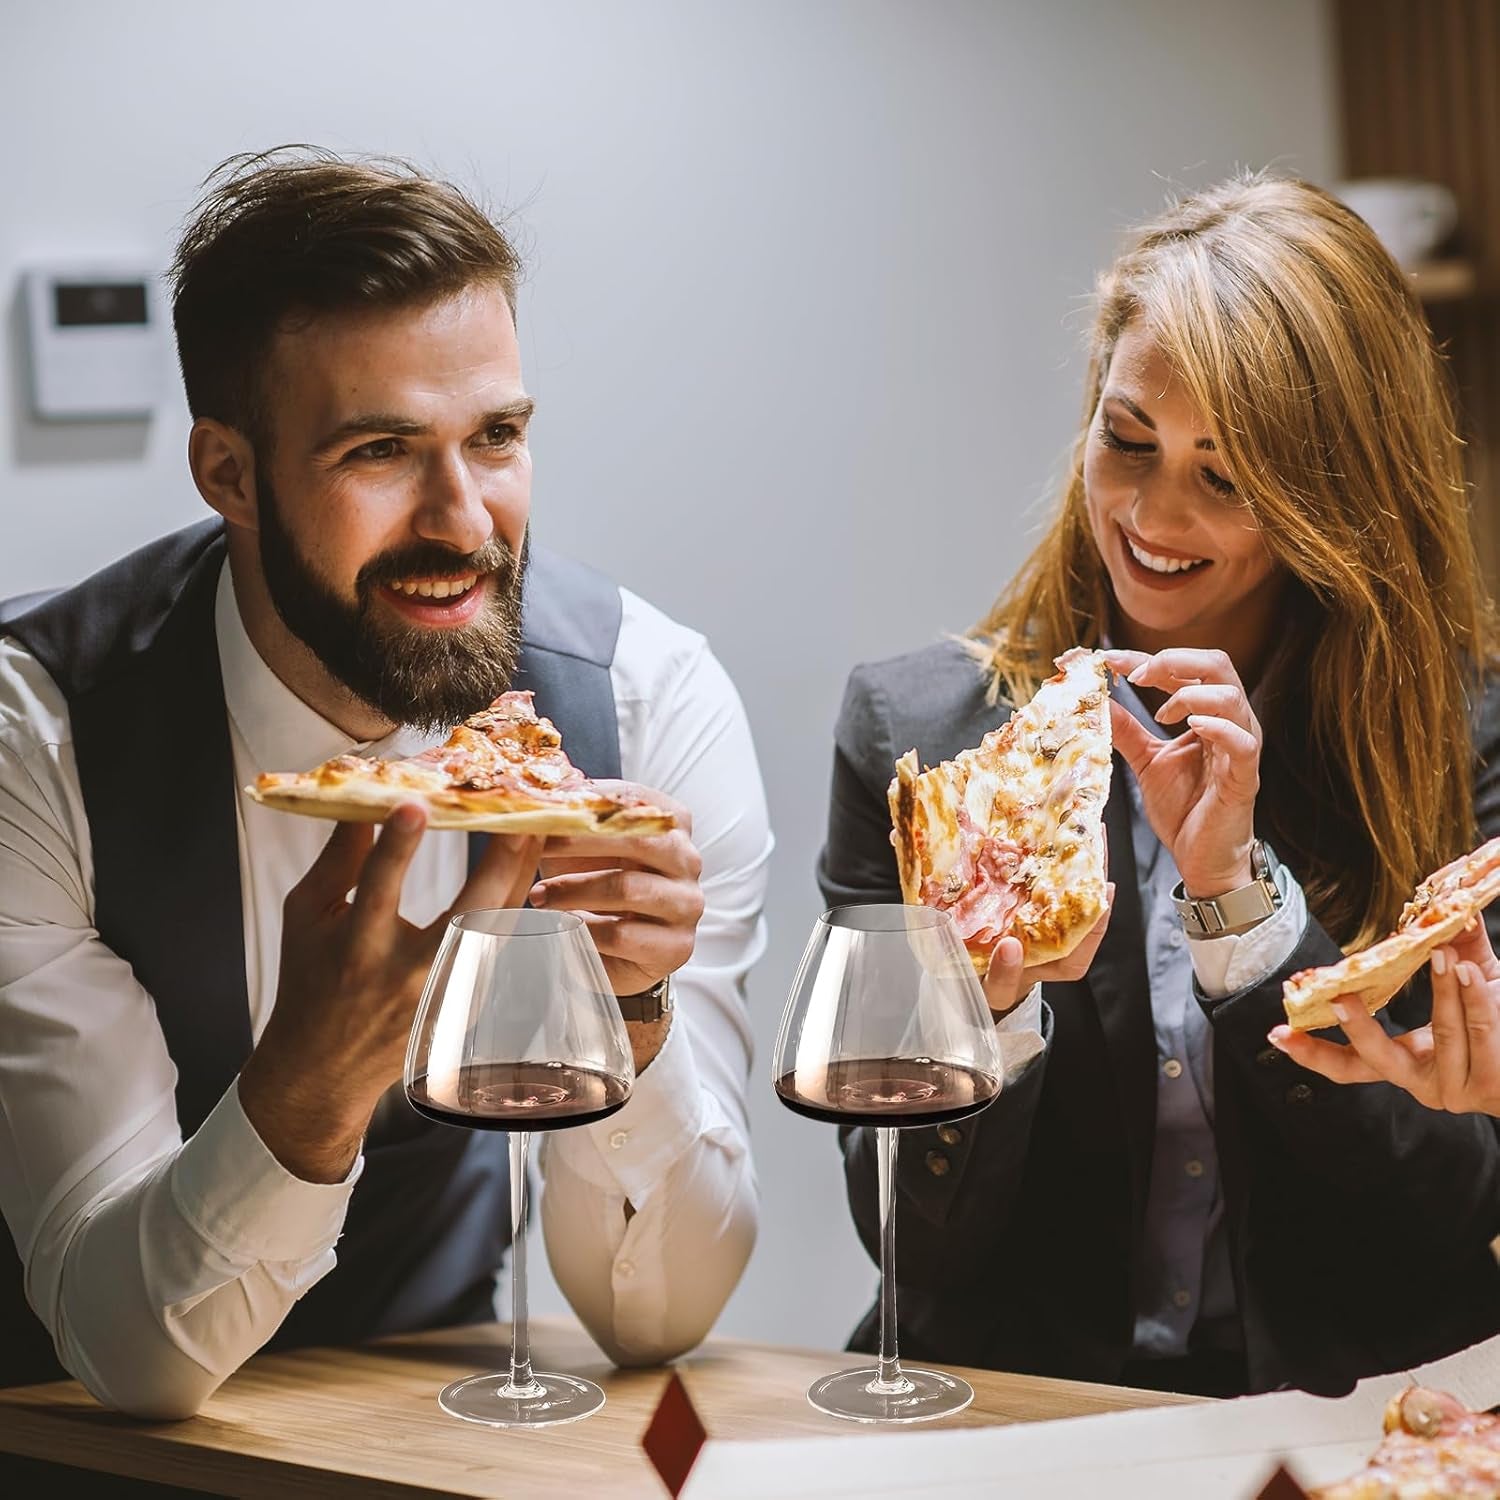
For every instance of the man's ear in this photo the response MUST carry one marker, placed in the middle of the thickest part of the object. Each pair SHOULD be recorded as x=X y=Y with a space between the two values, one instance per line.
x=223 y=466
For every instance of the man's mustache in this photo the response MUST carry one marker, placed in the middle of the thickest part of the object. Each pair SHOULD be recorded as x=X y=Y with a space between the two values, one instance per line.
x=432 y=560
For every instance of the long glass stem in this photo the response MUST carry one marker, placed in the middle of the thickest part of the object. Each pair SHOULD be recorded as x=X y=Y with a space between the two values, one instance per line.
x=521 y=1382
x=890 y=1380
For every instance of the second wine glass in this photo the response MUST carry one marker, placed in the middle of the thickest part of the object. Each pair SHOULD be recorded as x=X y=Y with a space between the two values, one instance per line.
x=886 y=1026
x=518 y=1030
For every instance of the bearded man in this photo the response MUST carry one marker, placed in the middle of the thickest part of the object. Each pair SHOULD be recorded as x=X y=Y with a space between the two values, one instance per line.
x=201 y=1035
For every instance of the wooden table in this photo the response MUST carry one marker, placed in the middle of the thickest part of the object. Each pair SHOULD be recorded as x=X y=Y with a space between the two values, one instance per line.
x=365 y=1421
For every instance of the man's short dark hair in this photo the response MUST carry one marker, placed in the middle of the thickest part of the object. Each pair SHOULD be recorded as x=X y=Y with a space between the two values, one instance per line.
x=298 y=232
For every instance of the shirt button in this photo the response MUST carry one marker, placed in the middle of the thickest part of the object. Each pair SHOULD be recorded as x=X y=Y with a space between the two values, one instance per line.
x=625 y=1269
x=950 y=1135
x=1299 y=1093
x=1194 y=1168
x=1172 y=1068
x=1181 y=1299
x=618 y=1138
x=938 y=1164
x=1176 y=938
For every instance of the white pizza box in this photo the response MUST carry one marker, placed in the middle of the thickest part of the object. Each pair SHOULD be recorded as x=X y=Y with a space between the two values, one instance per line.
x=1224 y=1450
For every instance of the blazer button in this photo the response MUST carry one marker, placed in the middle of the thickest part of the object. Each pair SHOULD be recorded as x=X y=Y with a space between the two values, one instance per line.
x=950 y=1135
x=1299 y=1093
x=1269 y=1056
x=938 y=1164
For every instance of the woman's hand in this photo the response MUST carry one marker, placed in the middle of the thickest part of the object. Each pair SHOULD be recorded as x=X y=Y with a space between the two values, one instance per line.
x=1009 y=981
x=1199 y=788
x=1451 y=1064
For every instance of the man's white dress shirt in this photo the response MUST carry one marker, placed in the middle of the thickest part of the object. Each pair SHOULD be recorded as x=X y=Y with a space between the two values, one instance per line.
x=158 y=1265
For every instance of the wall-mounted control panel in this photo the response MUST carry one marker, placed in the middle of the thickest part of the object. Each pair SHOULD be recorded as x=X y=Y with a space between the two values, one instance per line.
x=97 y=341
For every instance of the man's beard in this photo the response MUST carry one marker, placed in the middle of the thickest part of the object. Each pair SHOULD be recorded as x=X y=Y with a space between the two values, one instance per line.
x=428 y=677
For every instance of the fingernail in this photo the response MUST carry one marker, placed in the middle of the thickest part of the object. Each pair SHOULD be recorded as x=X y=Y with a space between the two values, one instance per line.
x=1135 y=676
x=1277 y=1036
x=1466 y=974
x=537 y=895
x=1342 y=1011
x=1439 y=960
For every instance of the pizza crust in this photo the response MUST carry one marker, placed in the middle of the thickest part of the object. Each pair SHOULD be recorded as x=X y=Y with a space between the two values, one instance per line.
x=1443 y=906
x=354 y=804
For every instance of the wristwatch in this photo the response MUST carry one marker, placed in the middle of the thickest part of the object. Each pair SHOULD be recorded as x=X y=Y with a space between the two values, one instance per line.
x=1235 y=911
x=649 y=1005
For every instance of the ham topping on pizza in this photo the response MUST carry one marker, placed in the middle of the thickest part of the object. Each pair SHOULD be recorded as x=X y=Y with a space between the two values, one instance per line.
x=502 y=769
x=1009 y=836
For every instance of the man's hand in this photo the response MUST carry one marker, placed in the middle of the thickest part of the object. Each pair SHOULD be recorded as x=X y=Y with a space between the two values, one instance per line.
x=1009 y=981
x=351 y=975
x=1452 y=1064
x=640 y=898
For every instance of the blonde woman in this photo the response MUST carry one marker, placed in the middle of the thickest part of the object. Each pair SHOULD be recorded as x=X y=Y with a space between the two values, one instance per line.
x=1265 y=522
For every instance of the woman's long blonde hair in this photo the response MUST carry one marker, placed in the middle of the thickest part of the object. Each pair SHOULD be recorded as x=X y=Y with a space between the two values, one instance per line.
x=1300 y=341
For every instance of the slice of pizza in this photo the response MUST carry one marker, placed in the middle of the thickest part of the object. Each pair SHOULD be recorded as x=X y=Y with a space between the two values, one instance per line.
x=1444 y=904
x=1009 y=836
x=1435 y=1448
x=501 y=771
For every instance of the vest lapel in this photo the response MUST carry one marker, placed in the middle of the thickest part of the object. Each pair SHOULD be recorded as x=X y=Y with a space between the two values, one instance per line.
x=157 y=772
x=1121 y=989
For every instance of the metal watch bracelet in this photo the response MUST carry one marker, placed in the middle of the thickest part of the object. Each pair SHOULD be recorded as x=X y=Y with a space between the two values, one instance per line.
x=1235 y=911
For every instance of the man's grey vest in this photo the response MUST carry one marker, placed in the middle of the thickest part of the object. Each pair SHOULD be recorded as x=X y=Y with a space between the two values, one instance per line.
x=134 y=652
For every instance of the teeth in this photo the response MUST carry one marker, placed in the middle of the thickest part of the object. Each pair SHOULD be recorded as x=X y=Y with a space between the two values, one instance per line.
x=1163 y=564
x=436 y=588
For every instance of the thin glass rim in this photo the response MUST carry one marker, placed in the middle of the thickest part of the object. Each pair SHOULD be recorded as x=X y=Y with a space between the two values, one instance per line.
x=915 y=917
x=551 y=923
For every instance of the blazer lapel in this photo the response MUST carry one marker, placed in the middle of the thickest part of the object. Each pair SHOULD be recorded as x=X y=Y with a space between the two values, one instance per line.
x=1121 y=990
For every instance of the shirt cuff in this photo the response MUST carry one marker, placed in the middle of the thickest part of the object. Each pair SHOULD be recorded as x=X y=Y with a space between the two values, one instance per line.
x=1224 y=965
x=244 y=1203
x=659 y=1122
x=1019 y=1033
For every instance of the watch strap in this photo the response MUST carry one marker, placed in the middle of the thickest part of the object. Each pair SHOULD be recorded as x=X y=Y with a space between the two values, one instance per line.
x=649 y=1005
x=1235 y=911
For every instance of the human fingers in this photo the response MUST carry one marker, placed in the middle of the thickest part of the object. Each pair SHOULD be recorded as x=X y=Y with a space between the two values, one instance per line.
x=1472 y=945
x=1481 y=1007
x=667 y=853
x=1394 y=1063
x=652 y=949
x=1239 y=769
x=1220 y=700
x=1450 y=1039
x=641 y=893
x=1340 y=1064
x=502 y=877
x=334 y=873
x=1132 y=739
x=1180 y=665
x=377 y=897
x=1005 y=985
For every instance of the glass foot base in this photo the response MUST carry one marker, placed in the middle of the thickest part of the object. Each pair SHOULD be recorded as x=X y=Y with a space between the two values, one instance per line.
x=547 y=1402
x=917 y=1396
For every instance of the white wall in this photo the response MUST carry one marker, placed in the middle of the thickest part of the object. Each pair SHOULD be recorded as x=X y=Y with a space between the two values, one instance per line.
x=802 y=321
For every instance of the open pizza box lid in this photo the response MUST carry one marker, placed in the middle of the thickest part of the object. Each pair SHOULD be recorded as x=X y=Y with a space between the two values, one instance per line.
x=1226 y=1450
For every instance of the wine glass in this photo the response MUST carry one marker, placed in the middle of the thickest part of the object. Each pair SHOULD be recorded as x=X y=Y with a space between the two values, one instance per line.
x=518 y=1030
x=886 y=1025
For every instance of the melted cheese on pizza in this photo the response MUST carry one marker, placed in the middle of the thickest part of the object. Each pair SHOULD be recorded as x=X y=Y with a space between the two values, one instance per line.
x=1435 y=1449
x=1008 y=837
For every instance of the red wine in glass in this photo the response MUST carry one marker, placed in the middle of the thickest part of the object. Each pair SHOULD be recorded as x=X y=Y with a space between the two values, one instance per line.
x=520 y=1096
